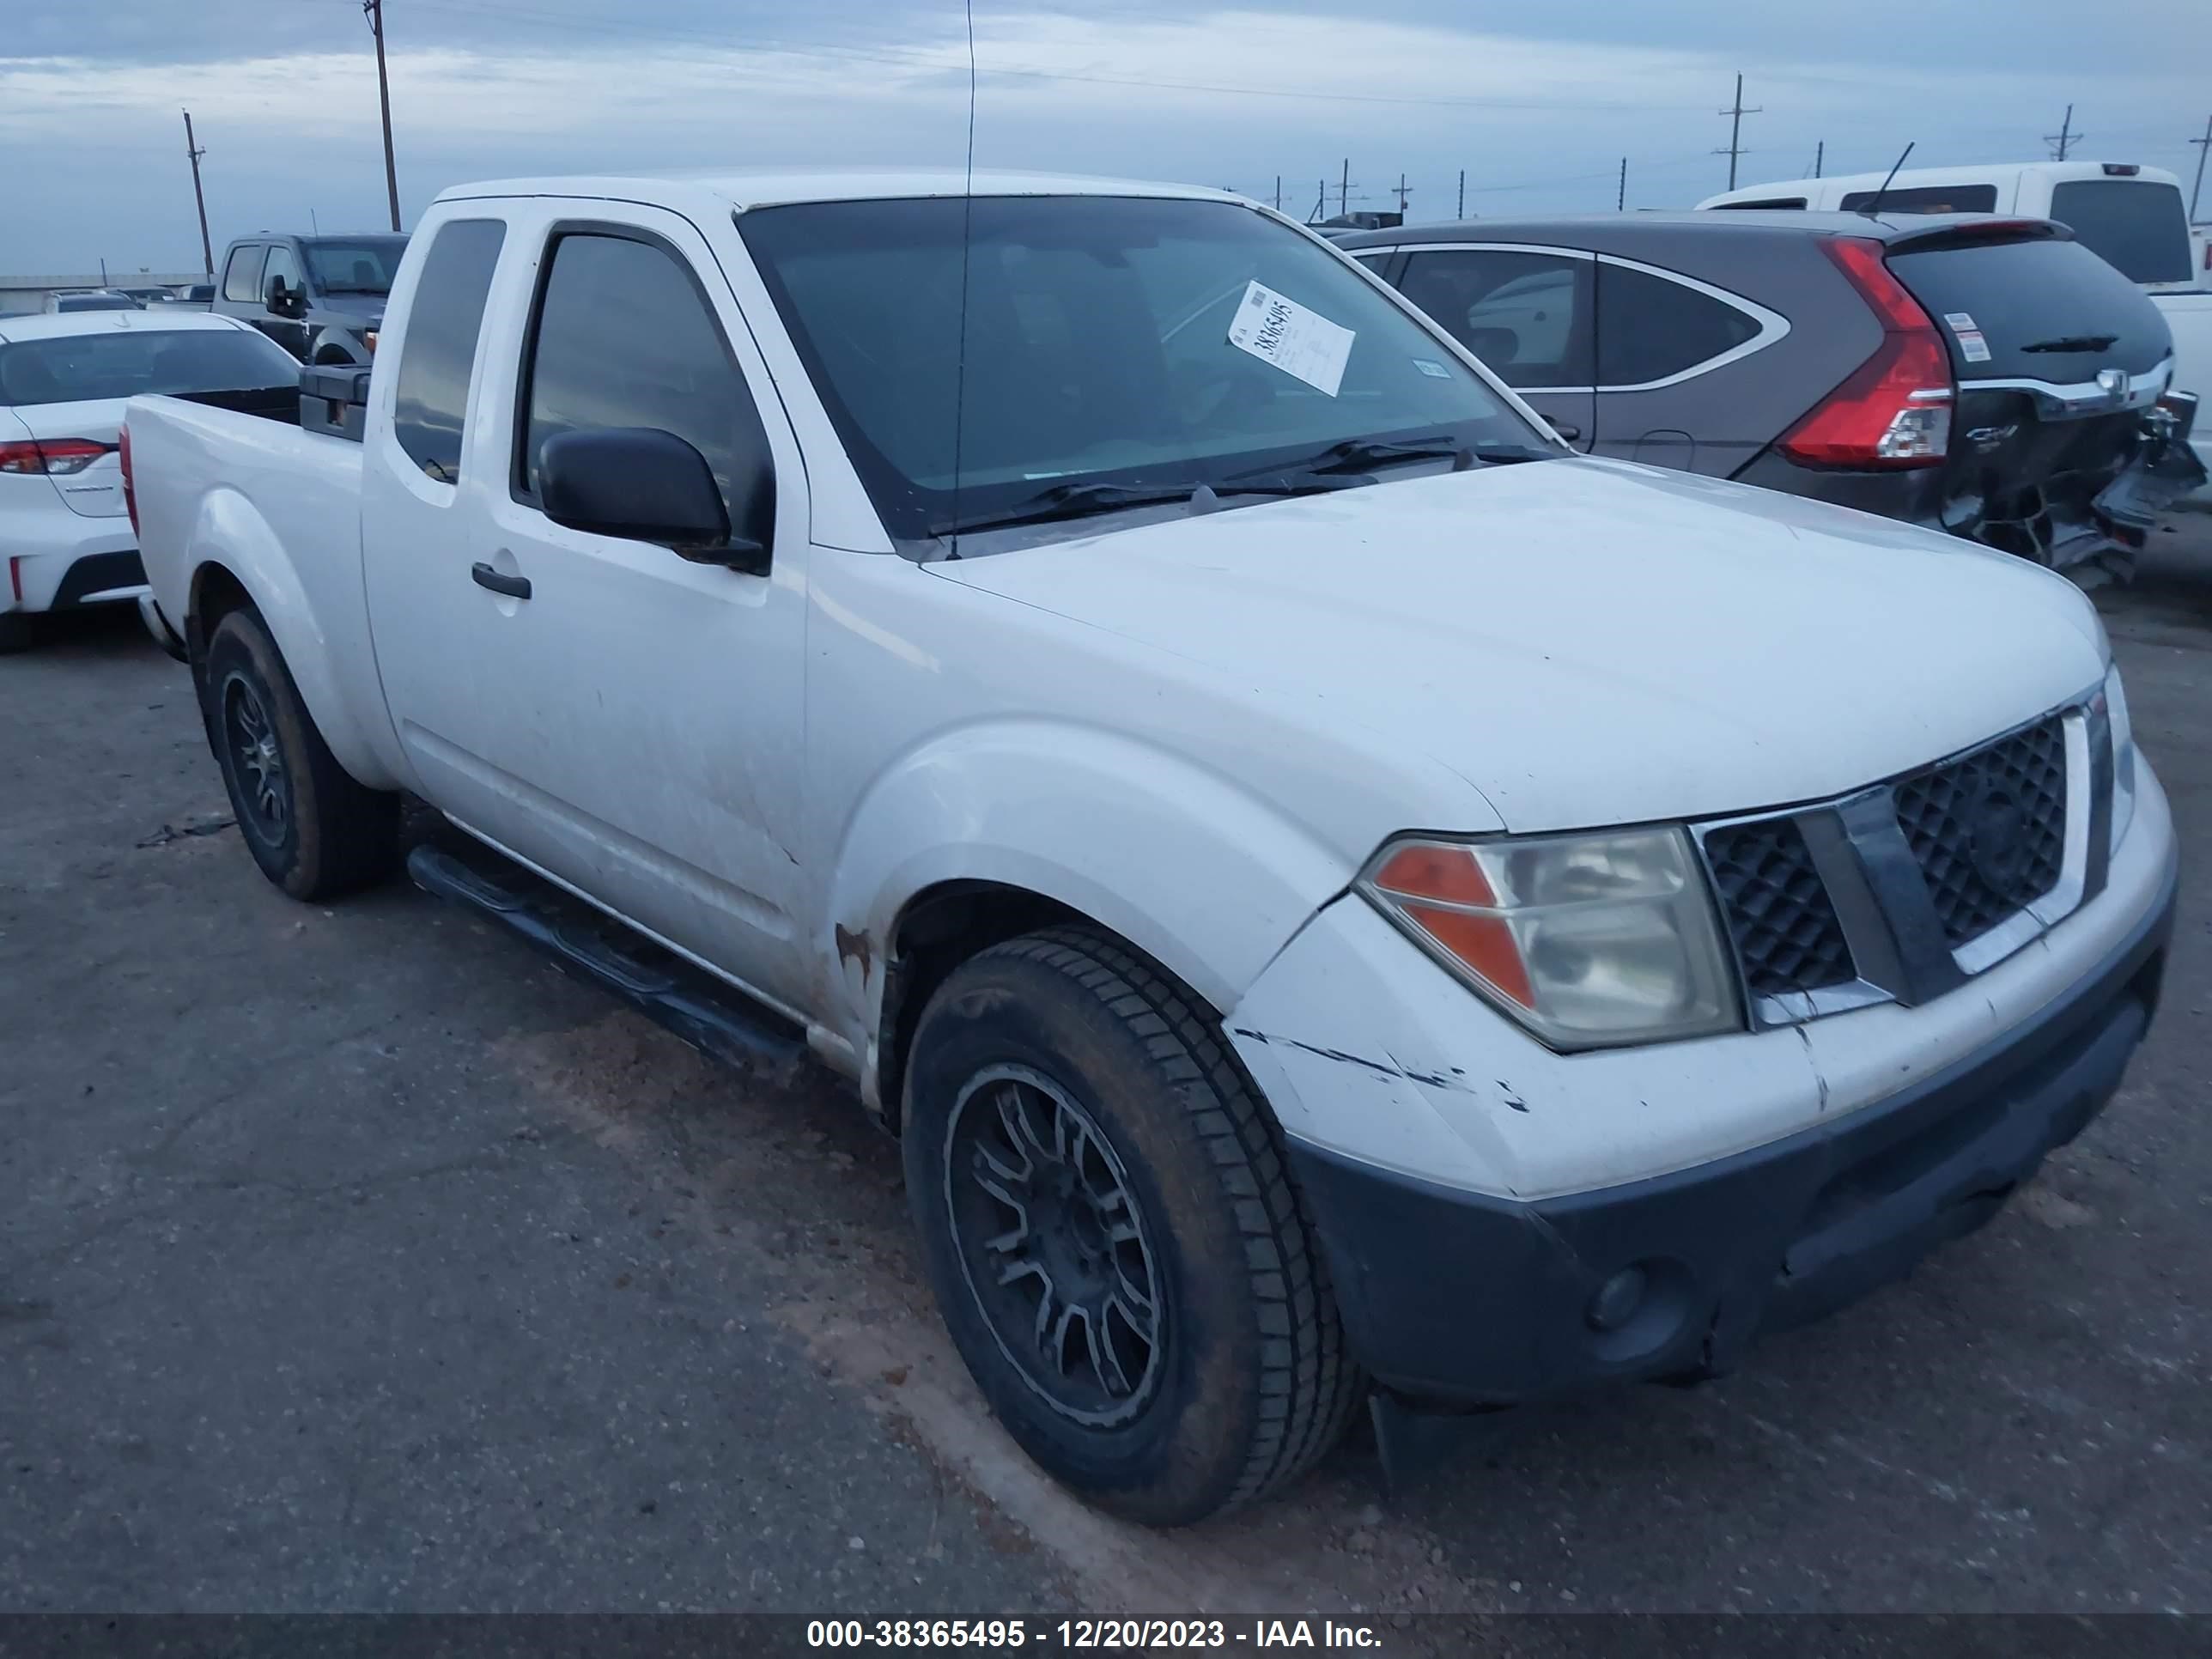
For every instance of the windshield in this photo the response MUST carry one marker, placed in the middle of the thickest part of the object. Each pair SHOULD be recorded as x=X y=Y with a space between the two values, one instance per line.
x=354 y=264
x=1098 y=350
x=82 y=368
x=94 y=302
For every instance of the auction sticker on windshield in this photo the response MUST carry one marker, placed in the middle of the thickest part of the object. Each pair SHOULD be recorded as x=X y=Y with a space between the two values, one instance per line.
x=1279 y=331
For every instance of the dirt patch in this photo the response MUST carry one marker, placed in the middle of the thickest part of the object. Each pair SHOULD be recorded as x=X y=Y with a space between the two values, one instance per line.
x=798 y=1181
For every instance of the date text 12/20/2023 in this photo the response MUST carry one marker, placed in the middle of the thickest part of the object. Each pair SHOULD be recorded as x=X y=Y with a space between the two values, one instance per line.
x=1088 y=1635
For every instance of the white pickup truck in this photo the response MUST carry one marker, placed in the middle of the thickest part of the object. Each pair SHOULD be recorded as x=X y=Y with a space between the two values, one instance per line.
x=1341 y=898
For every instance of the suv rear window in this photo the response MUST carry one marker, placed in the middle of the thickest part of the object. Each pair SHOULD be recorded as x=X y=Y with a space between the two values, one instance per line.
x=71 y=369
x=2136 y=225
x=2026 y=294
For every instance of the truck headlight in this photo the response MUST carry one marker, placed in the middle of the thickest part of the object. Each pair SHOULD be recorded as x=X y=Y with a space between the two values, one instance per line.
x=2123 y=754
x=1589 y=940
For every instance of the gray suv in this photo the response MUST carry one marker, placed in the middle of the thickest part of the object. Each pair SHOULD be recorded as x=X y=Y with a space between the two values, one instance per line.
x=320 y=297
x=1990 y=376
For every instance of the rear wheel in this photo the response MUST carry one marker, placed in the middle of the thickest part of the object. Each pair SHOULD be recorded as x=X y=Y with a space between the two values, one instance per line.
x=1113 y=1236
x=314 y=831
x=16 y=630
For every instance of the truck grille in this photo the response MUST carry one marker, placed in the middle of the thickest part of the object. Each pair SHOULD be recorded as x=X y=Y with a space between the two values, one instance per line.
x=1990 y=829
x=1786 y=933
x=1986 y=831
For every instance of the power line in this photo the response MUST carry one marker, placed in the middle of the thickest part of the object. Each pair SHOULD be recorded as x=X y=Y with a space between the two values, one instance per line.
x=1736 y=112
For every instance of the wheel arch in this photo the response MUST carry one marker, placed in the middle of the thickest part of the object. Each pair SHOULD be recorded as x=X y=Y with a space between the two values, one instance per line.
x=997 y=834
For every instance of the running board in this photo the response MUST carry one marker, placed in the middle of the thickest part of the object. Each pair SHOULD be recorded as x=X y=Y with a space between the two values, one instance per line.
x=715 y=1018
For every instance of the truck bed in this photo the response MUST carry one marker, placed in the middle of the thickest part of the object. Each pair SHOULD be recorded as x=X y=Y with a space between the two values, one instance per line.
x=246 y=489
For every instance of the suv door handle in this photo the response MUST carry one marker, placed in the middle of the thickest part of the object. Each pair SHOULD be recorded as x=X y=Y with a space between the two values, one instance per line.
x=515 y=587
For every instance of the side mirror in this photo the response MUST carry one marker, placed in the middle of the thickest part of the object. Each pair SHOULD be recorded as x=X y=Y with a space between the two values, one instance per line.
x=644 y=485
x=286 y=301
x=1566 y=429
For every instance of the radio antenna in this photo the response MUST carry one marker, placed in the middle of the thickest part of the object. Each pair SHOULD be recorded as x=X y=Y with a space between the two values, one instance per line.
x=967 y=235
x=1875 y=206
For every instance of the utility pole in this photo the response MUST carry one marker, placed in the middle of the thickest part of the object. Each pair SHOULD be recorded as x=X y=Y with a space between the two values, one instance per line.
x=1402 y=194
x=1736 y=112
x=1321 y=202
x=1278 y=192
x=1344 y=189
x=193 y=150
x=373 y=10
x=2065 y=138
x=1621 y=200
x=1819 y=155
x=1462 y=192
x=2203 y=148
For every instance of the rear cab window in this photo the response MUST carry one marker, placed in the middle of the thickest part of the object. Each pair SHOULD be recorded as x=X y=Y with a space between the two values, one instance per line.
x=1926 y=198
x=2136 y=225
x=438 y=354
x=2039 y=305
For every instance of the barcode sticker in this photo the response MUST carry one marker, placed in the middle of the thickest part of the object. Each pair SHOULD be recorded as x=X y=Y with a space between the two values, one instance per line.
x=1973 y=345
x=1301 y=342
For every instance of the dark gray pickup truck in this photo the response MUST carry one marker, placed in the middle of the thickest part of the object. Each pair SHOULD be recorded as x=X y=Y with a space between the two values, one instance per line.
x=320 y=297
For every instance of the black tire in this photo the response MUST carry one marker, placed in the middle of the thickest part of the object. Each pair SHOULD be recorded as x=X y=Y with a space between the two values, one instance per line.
x=17 y=633
x=1245 y=1382
x=314 y=831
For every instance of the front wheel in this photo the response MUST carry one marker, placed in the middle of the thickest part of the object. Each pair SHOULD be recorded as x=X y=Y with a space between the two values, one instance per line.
x=1113 y=1236
x=314 y=831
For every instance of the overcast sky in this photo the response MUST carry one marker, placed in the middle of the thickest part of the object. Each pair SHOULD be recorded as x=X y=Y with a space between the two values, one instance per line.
x=1537 y=102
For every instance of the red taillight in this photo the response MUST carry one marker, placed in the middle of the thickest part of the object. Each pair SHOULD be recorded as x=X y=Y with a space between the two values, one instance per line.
x=1895 y=410
x=130 y=494
x=52 y=455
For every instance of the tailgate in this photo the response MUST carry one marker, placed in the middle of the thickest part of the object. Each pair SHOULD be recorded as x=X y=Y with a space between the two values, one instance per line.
x=2057 y=355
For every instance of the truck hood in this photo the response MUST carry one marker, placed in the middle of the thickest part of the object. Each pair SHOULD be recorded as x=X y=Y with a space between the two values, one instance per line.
x=351 y=311
x=1590 y=642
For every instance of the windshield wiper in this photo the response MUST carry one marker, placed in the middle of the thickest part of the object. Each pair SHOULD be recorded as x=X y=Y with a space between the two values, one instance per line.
x=1355 y=456
x=1064 y=502
x=2073 y=342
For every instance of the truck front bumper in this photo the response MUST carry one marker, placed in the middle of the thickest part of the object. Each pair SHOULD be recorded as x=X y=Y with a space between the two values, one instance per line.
x=1452 y=1298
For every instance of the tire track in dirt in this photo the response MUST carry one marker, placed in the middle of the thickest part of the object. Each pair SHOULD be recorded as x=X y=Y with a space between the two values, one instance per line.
x=796 y=1181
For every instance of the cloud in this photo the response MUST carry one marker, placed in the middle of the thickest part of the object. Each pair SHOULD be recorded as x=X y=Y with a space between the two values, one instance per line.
x=1537 y=113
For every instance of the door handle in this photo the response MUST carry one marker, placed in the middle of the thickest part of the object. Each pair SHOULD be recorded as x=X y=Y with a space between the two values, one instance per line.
x=515 y=587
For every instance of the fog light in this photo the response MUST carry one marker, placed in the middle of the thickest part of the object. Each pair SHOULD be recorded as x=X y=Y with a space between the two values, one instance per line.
x=1617 y=1300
